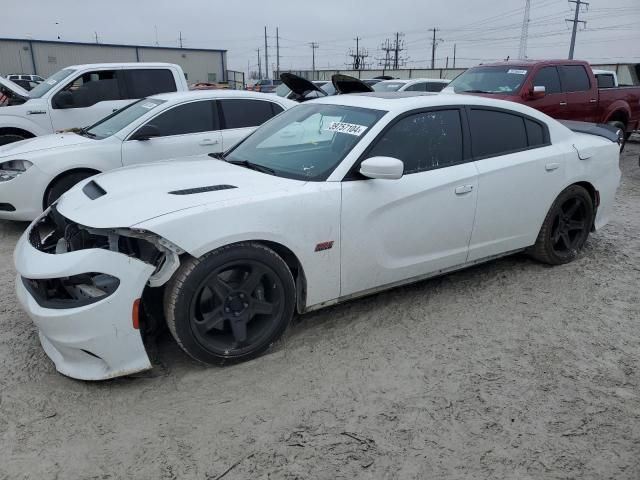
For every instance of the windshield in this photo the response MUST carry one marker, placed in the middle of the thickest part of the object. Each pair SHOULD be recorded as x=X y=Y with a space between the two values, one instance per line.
x=388 y=86
x=123 y=117
x=283 y=90
x=503 y=80
x=49 y=83
x=306 y=142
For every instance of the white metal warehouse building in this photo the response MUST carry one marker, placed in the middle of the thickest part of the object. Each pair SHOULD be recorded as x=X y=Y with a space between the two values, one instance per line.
x=44 y=57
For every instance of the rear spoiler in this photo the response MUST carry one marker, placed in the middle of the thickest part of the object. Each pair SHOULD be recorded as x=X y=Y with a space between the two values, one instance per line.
x=600 y=129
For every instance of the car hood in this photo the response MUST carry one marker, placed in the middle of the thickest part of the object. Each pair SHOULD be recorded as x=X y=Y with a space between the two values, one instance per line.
x=300 y=87
x=347 y=84
x=44 y=142
x=128 y=196
x=14 y=87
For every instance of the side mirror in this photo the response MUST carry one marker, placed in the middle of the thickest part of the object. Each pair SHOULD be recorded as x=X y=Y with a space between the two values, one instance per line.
x=145 y=133
x=382 y=167
x=63 y=99
x=538 y=92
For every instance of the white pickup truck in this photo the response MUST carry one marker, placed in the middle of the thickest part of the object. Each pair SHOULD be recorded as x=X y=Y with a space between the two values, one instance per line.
x=80 y=95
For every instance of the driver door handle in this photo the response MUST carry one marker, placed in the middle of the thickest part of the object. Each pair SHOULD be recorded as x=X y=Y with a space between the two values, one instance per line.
x=462 y=189
x=208 y=141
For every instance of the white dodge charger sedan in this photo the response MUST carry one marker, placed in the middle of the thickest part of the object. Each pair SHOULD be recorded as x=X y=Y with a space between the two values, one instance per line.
x=35 y=172
x=333 y=199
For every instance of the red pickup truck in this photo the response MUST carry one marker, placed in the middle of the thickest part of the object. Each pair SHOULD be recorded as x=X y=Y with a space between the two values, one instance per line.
x=563 y=89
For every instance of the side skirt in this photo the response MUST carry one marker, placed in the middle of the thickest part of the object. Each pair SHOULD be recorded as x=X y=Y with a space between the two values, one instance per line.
x=400 y=283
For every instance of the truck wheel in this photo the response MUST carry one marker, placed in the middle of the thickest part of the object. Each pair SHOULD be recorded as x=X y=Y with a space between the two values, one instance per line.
x=10 y=138
x=231 y=304
x=622 y=133
x=62 y=184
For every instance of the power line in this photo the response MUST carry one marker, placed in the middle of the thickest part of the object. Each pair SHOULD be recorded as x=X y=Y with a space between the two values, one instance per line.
x=575 y=22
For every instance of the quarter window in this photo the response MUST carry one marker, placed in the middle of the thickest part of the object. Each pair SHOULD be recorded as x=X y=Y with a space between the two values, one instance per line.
x=535 y=133
x=194 y=117
x=574 y=78
x=243 y=113
x=548 y=78
x=149 y=81
x=496 y=133
x=423 y=141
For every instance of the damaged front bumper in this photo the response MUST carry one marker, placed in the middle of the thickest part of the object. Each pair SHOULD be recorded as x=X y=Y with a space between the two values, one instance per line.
x=80 y=285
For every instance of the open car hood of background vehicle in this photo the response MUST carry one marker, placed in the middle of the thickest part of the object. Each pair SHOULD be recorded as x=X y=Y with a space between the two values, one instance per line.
x=346 y=84
x=14 y=87
x=301 y=87
x=131 y=195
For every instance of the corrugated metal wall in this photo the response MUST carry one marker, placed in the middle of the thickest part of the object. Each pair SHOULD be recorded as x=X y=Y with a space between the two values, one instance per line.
x=16 y=57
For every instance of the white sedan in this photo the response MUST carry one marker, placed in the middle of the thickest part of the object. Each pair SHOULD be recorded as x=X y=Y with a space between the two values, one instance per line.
x=35 y=172
x=432 y=85
x=336 y=198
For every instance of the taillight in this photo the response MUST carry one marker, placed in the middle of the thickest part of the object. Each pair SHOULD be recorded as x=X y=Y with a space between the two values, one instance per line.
x=135 y=314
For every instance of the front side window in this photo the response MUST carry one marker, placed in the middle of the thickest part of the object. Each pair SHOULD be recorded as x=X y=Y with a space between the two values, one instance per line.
x=50 y=82
x=548 y=78
x=496 y=133
x=434 y=86
x=574 y=78
x=194 y=117
x=423 y=141
x=416 y=87
x=90 y=88
x=148 y=81
x=306 y=142
x=505 y=80
x=122 y=118
x=243 y=113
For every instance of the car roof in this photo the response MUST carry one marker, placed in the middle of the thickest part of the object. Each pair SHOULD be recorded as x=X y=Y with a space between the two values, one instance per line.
x=221 y=93
x=123 y=65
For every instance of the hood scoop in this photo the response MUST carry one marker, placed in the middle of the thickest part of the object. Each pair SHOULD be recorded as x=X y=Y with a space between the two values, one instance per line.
x=93 y=190
x=210 y=188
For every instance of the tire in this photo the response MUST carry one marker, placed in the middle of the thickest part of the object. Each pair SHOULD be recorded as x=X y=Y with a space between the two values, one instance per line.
x=231 y=304
x=10 y=138
x=565 y=228
x=622 y=133
x=62 y=184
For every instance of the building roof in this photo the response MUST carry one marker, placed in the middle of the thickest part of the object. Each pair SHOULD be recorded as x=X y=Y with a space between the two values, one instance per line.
x=90 y=44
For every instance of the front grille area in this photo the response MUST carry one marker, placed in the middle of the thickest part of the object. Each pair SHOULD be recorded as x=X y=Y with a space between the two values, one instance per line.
x=71 y=292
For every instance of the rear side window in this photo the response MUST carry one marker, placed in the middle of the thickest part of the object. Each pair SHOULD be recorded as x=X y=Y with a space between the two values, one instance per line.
x=574 y=78
x=496 y=133
x=243 y=113
x=142 y=83
x=548 y=78
x=535 y=133
x=605 y=81
x=434 y=86
x=423 y=141
x=194 y=117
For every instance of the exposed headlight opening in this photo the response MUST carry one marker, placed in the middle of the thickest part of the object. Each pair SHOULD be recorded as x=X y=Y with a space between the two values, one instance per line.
x=71 y=292
x=55 y=234
x=13 y=168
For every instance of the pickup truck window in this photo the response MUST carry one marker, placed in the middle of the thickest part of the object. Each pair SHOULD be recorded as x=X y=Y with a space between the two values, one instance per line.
x=574 y=78
x=142 y=83
x=49 y=83
x=91 y=88
x=548 y=77
x=504 y=80
x=605 y=80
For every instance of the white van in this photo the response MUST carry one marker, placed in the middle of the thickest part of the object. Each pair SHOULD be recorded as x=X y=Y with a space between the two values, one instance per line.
x=80 y=95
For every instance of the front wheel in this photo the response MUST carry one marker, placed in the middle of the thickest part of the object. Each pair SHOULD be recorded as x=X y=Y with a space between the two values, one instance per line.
x=231 y=304
x=565 y=228
x=62 y=184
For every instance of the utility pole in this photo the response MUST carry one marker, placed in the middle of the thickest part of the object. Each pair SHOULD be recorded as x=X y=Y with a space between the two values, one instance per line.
x=313 y=46
x=454 y=54
x=180 y=39
x=96 y=34
x=266 y=55
x=575 y=22
x=277 y=52
x=358 y=56
x=156 y=29
x=434 y=44
x=259 y=66
x=524 y=36
x=395 y=57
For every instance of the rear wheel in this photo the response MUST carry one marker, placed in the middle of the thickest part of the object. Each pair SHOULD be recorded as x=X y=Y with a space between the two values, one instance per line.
x=621 y=131
x=231 y=304
x=62 y=184
x=566 y=227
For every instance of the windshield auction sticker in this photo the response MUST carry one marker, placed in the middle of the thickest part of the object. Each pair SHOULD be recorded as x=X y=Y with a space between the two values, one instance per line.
x=148 y=105
x=348 y=128
x=517 y=72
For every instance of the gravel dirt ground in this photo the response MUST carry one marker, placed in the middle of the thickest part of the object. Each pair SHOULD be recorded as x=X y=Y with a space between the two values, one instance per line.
x=511 y=370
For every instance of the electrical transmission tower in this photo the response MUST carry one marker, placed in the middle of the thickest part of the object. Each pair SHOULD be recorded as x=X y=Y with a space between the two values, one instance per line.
x=359 y=57
x=522 y=54
x=392 y=53
x=576 y=20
